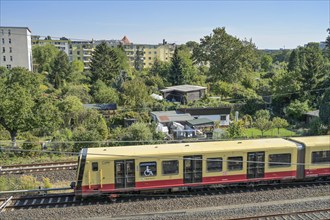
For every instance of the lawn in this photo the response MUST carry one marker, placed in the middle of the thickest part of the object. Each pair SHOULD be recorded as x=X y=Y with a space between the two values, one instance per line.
x=253 y=132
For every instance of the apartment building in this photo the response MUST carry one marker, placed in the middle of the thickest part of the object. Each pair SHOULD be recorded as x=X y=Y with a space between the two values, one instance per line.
x=83 y=50
x=15 y=47
x=151 y=52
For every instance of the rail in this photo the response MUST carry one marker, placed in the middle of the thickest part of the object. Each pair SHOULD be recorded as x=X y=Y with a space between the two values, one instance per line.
x=42 y=167
x=34 y=190
x=5 y=203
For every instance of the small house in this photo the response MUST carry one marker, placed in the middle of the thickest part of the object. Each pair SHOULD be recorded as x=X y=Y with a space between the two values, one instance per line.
x=183 y=93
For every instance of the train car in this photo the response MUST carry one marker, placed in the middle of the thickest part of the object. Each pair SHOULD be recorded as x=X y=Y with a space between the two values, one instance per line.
x=317 y=155
x=116 y=170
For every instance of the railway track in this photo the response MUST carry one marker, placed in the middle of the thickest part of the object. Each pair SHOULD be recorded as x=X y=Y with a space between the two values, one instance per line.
x=68 y=199
x=311 y=214
x=41 y=167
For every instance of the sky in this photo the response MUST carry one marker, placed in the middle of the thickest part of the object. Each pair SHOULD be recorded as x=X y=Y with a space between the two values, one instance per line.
x=270 y=24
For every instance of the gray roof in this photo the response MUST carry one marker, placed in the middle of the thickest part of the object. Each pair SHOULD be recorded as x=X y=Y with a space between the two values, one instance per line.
x=15 y=27
x=315 y=113
x=101 y=106
x=183 y=88
x=200 y=121
x=171 y=116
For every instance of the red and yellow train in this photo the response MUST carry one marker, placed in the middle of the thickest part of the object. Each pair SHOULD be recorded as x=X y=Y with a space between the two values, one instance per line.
x=114 y=170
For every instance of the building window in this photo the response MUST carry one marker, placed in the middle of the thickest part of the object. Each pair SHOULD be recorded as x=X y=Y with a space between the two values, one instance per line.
x=9 y=67
x=95 y=166
x=223 y=118
x=321 y=156
x=214 y=164
x=3 y=40
x=9 y=40
x=9 y=33
x=170 y=167
x=2 y=32
x=4 y=58
x=279 y=160
x=11 y=58
x=155 y=52
x=235 y=163
x=3 y=49
x=149 y=52
x=78 y=52
x=149 y=58
x=148 y=169
x=10 y=50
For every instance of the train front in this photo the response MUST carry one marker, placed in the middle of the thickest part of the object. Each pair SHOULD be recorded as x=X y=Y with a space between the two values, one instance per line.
x=77 y=186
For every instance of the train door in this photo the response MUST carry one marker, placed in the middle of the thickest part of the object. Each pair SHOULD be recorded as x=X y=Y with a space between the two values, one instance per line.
x=255 y=165
x=124 y=174
x=192 y=169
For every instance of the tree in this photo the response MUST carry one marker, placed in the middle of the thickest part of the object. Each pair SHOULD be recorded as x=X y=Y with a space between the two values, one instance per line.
x=19 y=93
x=60 y=70
x=236 y=129
x=327 y=43
x=138 y=59
x=325 y=109
x=135 y=93
x=226 y=55
x=176 y=76
x=104 y=64
x=262 y=121
x=77 y=66
x=296 y=109
x=266 y=62
x=43 y=56
x=279 y=123
x=104 y=94
x=138 y=132
x=71 y=107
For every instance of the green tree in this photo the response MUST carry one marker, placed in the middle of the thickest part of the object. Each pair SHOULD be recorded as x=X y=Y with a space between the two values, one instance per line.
x=266 y=62
x=262 y=121
x=176 y=75
x=105 y=64
x=60 y=70
x=236 y=129
x=81 y=91
x=296 y=109
x=71 y=107
x=226 y=55
x=104 y=94
x=19 y=93
x=294 y=63
x=43 y=56
x=77 y=66
x=135 y=93
x=325 y=109
x=138 y=59
x=279 y=123
x=138 y=132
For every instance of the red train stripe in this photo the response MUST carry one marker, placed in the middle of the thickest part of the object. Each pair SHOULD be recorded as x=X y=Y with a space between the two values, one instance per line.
x=156 y=184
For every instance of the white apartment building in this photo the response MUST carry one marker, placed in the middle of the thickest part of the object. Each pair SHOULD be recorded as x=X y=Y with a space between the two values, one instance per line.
x=15 y=47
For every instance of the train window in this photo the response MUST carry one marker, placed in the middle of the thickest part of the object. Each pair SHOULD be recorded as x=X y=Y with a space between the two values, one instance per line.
x=279 y=160
x=214 y=164
x=95 y=166
x=235 y=163
x=148 y=169
x=321 y=156
x=170 y=167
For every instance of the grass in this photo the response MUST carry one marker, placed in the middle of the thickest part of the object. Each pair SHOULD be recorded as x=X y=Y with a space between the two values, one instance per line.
x=253 y=132
x=13 y=160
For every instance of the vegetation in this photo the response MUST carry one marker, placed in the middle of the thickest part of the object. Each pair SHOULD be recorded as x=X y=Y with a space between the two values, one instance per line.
x=272 y=90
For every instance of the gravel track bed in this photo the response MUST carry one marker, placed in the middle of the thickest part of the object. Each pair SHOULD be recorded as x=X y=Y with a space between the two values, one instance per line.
x=54 y=176
x=133 y=208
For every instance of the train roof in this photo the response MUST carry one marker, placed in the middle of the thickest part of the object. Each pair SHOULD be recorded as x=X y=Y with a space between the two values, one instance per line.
x=190 y=148
x=320 y=141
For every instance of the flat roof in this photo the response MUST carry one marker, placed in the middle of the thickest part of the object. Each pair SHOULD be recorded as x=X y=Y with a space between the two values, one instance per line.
x=16 y=27
x=190 y=148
